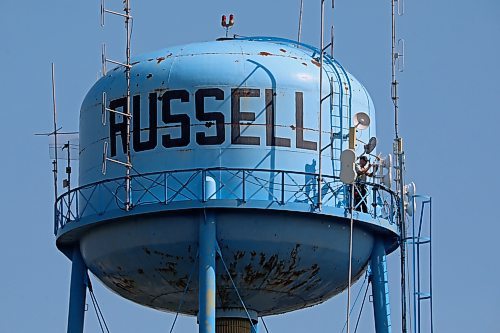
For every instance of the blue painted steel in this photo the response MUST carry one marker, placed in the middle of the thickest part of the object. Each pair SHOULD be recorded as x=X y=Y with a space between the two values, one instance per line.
x=380 y=288
x=298 y=256
x=207 y=291
x=78 y=293
x=207 y=269
x=224 y=65
x=161 y=191
x=421 y=245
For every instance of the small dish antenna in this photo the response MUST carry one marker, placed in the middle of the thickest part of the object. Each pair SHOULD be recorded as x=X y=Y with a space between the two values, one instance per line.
x=370 y=146
x=361 y=121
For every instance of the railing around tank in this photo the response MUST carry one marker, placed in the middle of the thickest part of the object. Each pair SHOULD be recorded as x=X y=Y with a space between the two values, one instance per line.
x=273 y=186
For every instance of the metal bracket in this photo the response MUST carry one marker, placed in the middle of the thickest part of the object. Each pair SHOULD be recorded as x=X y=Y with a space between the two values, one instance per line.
x=105 y=110
x=104 y=11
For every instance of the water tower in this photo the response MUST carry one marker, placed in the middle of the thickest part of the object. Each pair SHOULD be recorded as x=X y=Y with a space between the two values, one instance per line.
x=210 y=184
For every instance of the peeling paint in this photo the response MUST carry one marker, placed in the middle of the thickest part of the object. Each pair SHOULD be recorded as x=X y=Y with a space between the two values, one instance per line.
x=315 y=62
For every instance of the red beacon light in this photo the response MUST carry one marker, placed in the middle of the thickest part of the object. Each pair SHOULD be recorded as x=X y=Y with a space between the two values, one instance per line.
x=227 y=24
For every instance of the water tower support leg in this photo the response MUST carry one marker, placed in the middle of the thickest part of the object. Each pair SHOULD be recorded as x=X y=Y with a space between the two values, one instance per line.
x=380 y=288
x=78 y=292
x=207 y=245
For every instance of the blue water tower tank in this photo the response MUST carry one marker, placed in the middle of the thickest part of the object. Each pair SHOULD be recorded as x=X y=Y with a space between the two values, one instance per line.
x=224 y=216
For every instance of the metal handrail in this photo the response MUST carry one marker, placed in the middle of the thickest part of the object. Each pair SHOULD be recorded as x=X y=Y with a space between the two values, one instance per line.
x=165 y=187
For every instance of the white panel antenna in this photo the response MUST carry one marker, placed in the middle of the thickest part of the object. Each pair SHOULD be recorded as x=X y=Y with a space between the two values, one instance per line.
x=385 y=163
x=347 y=168
x=410 y=203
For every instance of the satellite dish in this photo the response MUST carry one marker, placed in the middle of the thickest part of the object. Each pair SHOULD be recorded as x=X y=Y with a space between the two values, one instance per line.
x=361 y=120
x=370 y=146
x=347 y=169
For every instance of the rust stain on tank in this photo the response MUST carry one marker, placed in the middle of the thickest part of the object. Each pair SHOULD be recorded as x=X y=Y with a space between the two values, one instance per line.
x=238 y=255
x=123 y=283
x=159 y=59
x=315 y=62
x=263 y=53
x=283 y=50
x=169 y=267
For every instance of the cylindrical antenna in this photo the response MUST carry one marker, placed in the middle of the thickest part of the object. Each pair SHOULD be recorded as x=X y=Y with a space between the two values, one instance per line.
x=300 y=20
x=54 y=112
x=332 y=31
x=68 y=167
x=127 y=73
x=394 y=82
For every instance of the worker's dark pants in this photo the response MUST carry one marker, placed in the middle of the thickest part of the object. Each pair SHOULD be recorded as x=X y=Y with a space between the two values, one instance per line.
x=360 y=198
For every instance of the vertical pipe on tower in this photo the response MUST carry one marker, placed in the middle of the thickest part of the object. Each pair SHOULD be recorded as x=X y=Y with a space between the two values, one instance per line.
x=78 y=292
x=207 y=248
x=380 y=288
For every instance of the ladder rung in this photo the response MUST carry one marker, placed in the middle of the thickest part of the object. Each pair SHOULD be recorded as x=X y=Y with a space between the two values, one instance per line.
x=423 y=296
x=417 y=240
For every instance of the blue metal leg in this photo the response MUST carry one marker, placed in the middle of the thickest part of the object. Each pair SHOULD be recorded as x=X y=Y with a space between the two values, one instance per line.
x=78 y=292
x=206 y=314
x=380 y=289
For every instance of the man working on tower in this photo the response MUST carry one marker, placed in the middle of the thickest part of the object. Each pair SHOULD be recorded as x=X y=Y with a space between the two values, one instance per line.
x=362 y=171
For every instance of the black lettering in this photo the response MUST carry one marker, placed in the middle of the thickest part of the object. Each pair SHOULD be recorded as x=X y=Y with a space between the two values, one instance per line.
x=153 y=124
x=169 y=118
x=218 y=117
x=299 y=122
x=271 y=138
x=237 y=116
x=117 y=128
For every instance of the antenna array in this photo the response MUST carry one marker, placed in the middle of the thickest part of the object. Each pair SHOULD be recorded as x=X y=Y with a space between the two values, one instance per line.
x=397 y=62
x=127 y=113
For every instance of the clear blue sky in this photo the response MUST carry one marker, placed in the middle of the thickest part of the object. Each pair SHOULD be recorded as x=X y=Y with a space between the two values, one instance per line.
x=449 y=114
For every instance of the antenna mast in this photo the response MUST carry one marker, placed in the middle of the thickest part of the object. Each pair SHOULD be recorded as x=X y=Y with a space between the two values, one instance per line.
x=54 y=162
x=397 y=7
x=127 y=114
x=300 y=20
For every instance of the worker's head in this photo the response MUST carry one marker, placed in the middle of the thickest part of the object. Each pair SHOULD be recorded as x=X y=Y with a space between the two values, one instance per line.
x=363 y=160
